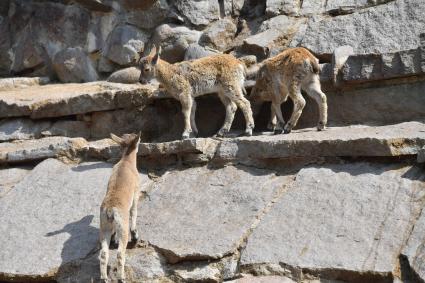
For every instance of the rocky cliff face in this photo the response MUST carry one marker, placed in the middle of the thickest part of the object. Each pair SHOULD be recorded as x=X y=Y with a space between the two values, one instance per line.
x=341 y=205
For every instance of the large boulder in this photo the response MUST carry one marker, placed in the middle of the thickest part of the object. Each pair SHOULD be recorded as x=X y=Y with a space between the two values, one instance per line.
x=72 y=65
x=5 y=44
x=124 y=44
x=149 y=18
x=128 y=75
x=210 y=212
x=361 y=210
x=22 y=129
x=385 y=28
x=279 y=7
x=200 y=12
x=174 y=41
x=195 y=51
x=219 y=35
x=50 y=218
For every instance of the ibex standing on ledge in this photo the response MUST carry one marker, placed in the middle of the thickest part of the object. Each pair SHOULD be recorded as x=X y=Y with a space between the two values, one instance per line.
x=184 y=81
x=120 y=205
x=284 y=75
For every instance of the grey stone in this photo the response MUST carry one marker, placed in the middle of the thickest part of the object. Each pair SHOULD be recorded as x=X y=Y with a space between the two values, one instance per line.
x=58 y=100
x=361 y=209
x=278 y=7
x=335 y=141
x=72 y=65
x=128 y=75
x=22 y=129
x=95 y=5
x=118 y=122
x=70 y=129
x=195 y=51
x=263 y=279
x=174 y=41
x=10 y=177
x=142 y=265
x=105 y=65
x=421 y=156
x=149 y=18
x=414 y=248
x=274 y=35
x=200 y=12
x=5 y=45
x=368 y=67
x=219 y=34
x=32 y=150
x=312 y=7
x=100 y=27
x=22 y=82
x=339 y=57
x=138 y=4
x=36 y=41
x=209 y=213
x=124 y=44
x=385 y=28
x=63 y=201
x=337 y=7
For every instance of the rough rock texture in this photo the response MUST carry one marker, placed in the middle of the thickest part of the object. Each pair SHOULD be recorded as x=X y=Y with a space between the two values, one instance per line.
x=382 y=29
x=124 y=43
x=72 y=65
x=10 y=177
x=64 y=202
x=277 y=7
x=146 y=18
x=63 y=100
x=195 y=51
x=31 y=150
x=11 y=83
x=220 y=206
x=200 y=12
x=125 y=76
x=70 y=129
x=174 y=41
x=421 y=155
x=21 y=129
x=414 y=249
x=219 y=35
x=365 y=210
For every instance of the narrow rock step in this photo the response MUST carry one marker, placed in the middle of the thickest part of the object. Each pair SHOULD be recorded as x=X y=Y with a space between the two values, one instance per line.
x=402 y=139
x=56 y=100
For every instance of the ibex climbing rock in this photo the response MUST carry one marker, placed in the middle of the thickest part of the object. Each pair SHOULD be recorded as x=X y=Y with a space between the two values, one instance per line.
x=222 y=74
x=119 y=207
x=284 y=75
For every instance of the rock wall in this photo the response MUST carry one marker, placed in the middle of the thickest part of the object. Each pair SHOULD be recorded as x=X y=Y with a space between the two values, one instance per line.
x=341 y=205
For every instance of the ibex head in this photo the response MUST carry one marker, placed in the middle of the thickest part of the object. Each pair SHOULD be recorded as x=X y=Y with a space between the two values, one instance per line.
x=148 y=65
x=128 y=141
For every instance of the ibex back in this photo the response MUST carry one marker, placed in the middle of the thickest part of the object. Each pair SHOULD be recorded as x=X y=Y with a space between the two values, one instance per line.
x=223 y=74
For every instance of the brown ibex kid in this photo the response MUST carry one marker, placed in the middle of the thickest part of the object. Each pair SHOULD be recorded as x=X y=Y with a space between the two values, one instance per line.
x=284 y=75
x=222 y=73
x=120 y=205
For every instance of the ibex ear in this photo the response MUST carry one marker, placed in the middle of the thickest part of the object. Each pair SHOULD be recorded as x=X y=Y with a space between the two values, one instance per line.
x=156 y=57
x=153 y=51
x=116 y=139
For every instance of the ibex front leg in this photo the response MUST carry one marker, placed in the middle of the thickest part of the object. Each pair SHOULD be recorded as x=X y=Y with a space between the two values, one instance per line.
x=186 y=101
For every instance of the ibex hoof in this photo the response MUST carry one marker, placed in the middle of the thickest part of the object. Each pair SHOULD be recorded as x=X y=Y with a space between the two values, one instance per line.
x=286 y=131
x=271 y=127
x=222 y=133
x=185 y=136
x=121 y=281
x=134 y=235
x=248 y=132
x=104 y=281
x=320 y=126
x=277 y=131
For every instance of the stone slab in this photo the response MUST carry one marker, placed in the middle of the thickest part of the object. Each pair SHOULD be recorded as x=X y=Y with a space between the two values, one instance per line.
x=363 y=210
x=10 y=177
x=58 y=100
x=205 y=213
x=50 y=218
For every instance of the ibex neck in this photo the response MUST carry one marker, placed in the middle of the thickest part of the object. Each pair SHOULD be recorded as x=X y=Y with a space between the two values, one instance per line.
x=129 y=156
x=164 y=70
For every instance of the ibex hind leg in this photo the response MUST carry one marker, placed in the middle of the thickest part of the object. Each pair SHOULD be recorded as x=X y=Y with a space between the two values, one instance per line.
x=235 y=94
x=314 y=91
x=231 y=108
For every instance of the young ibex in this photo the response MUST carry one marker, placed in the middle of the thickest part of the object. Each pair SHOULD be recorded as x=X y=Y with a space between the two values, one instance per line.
x=120 y=205
x=284 y=75
x=223 y=74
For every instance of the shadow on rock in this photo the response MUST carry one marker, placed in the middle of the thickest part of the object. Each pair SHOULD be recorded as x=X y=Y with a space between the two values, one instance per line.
x=82 y=240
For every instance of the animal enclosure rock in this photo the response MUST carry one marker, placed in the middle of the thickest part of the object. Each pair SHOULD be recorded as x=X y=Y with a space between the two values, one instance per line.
x=199 y=12
x=174 y=41
x=128 y=75
x=53 y=212
x=72 y=65
x=21 y=129
x=385 y=28
x=124 y=43
x=205 y=213
x=278 y=7
x=361 y=209
x=219 y=35
x=10 y=177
